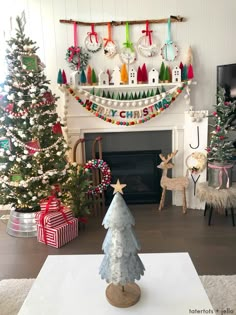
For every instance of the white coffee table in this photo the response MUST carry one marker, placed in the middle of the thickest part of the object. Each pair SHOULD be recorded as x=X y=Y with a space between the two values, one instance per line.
x=70 y=284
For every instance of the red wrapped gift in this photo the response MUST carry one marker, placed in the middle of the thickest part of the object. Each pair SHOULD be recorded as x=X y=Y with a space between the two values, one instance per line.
x=58 y=236
x=53 y=219
x=50 y=204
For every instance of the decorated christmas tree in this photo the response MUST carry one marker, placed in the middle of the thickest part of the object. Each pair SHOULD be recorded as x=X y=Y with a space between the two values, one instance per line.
x=32 y=148
x=121 y=265
x=220 y=148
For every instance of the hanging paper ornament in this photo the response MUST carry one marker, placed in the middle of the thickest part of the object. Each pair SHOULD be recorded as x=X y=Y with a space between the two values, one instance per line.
x=5 y=143
x=75 y=55
x=32 y=145
x=57 y=128
x=146 y=46
x=169 y=51
x=93 y=42
x=109 y=47
x=127 y=53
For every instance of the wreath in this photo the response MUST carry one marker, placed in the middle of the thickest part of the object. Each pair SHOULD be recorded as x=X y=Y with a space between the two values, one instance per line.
x=77 y=58
x=198 y=160
x=105 y=172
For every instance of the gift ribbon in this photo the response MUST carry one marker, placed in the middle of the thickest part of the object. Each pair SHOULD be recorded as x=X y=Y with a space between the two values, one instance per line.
x=109 y=39
x=221 y=170
x=128 y=43
x=93 y=33
x=44 y=213
x=75 y=50
x=148 y=32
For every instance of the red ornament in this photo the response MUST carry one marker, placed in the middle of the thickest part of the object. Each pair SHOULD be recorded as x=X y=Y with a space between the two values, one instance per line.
x=9 y=107
x=31 y=145
x=57 y=128
x=221 y=137
x=48 y=98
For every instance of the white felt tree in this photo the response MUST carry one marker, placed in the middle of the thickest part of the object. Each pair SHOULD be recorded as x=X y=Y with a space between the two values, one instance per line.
x=121 y=265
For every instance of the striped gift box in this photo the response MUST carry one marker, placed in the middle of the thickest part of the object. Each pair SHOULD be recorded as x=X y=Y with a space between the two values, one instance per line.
x=50 y=204
x=58 y=236
x=53 y=219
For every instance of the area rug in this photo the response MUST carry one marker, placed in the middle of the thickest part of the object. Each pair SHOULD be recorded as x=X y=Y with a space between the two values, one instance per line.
x=221 y=291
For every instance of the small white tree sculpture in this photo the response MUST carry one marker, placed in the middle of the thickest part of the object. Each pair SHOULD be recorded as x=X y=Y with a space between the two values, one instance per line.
x=121 y=265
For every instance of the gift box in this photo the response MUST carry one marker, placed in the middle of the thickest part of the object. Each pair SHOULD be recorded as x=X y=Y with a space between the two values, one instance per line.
x=53 y=219
x=59 y=235
x=50 y=204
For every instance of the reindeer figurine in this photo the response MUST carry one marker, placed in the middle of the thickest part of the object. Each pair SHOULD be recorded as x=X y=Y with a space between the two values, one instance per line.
x=167 y=183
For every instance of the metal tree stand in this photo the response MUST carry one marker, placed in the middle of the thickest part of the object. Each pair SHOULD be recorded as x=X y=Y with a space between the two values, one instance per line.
x=21 y=224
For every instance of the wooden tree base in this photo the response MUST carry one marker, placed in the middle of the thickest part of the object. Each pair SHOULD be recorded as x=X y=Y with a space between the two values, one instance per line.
x=126 y=298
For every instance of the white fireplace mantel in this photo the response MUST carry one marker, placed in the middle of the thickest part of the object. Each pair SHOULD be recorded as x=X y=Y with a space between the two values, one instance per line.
x=175 y=118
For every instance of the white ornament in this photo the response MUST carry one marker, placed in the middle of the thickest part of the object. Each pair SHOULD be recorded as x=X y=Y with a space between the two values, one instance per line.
x=18 y=159
x=11 y=158
x=31 y=75
x=29 y=165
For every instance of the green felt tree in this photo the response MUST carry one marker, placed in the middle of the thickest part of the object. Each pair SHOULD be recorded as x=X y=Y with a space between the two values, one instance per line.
x=167 y=74
x=32 y=148
x=220 y=148
x=162 y=72
x=83 y=79
x=94 y=77
x=59 y=77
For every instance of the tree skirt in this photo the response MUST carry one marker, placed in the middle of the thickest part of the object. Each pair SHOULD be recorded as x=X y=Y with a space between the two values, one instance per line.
x=221 y=291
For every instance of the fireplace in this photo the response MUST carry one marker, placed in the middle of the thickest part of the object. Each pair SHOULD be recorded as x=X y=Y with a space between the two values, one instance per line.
x=138 y=170
x=133 y=158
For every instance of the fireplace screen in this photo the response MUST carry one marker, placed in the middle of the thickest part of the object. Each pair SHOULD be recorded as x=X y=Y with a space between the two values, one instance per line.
x=138 y=170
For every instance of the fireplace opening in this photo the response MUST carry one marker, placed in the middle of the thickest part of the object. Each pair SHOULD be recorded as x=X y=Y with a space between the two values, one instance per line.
x=133 y=158
x=138 y=170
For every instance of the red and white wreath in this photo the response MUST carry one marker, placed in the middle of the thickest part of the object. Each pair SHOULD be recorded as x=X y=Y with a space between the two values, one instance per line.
x=105 y=172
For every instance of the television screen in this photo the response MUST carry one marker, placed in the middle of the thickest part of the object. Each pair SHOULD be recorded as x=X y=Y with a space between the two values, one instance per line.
x=226 y=78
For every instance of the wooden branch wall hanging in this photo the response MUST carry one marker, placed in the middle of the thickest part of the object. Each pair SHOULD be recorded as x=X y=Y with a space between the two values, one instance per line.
x=173 y=19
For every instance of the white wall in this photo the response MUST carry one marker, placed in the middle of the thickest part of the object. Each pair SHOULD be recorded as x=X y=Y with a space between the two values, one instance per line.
x=209 y=29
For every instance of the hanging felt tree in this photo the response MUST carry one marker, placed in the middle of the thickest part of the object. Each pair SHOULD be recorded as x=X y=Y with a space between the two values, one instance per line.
x=94 y=77
x=64 y=79
x=59 y=77
x=144 y=73
x=124 y=74
x=57 y=128
x=83 y=77
x=89 y=75
x=169 y=51
x=139 y=75
x=162 y=72
x=190 y=72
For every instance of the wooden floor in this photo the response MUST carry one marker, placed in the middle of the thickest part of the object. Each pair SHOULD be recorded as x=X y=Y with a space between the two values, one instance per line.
x=212 y=248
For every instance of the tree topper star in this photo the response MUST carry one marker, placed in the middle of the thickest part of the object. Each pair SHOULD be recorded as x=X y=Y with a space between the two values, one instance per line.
x=118 y=187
